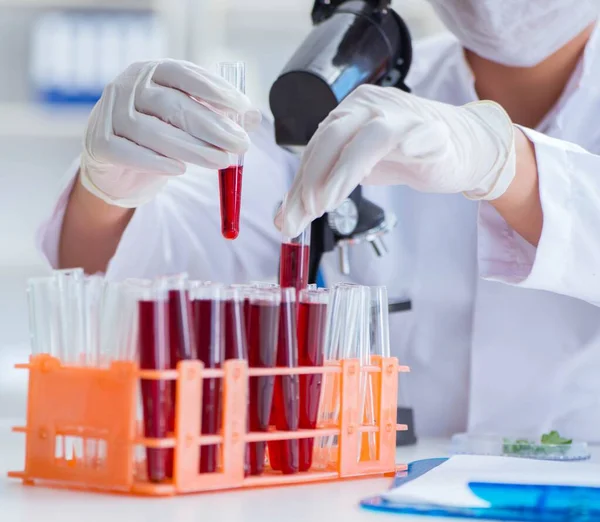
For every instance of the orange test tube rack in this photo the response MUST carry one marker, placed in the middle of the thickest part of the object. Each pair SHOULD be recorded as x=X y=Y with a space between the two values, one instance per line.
x=99 y=405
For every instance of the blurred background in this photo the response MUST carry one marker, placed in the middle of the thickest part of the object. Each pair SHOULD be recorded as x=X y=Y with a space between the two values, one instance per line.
x=55 y=58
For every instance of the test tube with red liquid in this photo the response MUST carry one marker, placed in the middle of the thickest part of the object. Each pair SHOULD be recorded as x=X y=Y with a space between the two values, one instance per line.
x=283 y=454
x=262 y=350
x=207 y=317
x=230 y=178
x=294 y=260
x=182 y=344
x=153 y=349
x=312 y=322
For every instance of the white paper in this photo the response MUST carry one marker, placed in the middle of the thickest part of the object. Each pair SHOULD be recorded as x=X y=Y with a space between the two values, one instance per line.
x=447 y=484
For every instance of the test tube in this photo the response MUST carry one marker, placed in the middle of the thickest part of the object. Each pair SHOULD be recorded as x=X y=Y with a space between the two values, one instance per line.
x=72 y=314
x=207 y=317
x=341 y=342
x=44 y=318
x=293 y=261
x=367 y=441
x=235 y=325
x=284 y=454
x=230 y=178
x=263 y=336
x=312 y=321
x=182 y=345
x=154 y=355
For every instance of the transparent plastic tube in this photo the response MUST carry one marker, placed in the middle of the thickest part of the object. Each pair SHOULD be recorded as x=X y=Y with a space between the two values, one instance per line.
x=284 y=454
x=263 y=334
x=294 y=261
x=44 y=315
x=180 y=331
x=312 y=321
x=72 y=315
x=156 y=395
x=235 y=325
x=342 y=341
x=230 y=178
x=207 y=317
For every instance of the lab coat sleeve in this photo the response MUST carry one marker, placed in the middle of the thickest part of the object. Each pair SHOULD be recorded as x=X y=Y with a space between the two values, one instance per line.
x=567 y=258
x=180 y=229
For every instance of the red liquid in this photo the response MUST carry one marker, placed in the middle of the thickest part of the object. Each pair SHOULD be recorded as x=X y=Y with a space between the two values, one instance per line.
x=283 y=455
x=181 y=339
x=262 y=348
x=156 y=395
x=230 y=190
x=204 y=311
x=312 y=319
x=235 y=330
x=293 y=270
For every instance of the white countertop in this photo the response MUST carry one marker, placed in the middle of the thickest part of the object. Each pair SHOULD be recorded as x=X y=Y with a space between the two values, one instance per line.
x=304 y=503
x=312 y=502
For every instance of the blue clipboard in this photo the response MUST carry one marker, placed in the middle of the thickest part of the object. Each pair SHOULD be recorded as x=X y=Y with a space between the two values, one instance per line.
x=508 y=502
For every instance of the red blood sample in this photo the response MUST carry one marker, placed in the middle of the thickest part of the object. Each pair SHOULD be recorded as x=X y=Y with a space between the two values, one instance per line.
x=206 y=324
x=180 y=337
x=156 y=395
x=293 y=270
x=283 y=455
x=230 y=190
x=262 y=348
x=312 y=319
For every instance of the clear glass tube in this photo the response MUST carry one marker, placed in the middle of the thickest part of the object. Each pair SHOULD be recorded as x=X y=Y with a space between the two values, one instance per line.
x=263 y=335
x=312 y=322
x=44 y=316
x=154 y=355
x=71 y=292
x=230 y=178
x=207 y=318
x=294 y=258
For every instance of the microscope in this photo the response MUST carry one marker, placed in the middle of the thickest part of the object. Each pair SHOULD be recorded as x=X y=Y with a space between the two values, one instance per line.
x=353 y=42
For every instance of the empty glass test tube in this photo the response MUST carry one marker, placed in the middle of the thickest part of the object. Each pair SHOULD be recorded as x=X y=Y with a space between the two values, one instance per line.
x=230 y=178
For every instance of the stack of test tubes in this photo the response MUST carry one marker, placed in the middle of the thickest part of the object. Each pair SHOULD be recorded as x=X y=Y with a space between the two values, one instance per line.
x=86 y=321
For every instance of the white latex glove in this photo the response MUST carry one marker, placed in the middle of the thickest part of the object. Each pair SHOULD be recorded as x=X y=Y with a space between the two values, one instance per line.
x=383 y=136
x=154 y=117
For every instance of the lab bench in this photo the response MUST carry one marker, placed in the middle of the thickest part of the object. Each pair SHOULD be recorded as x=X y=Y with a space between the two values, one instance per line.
x=304 y=503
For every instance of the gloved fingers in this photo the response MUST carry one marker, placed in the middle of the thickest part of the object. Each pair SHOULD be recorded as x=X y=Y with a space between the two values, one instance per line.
x=103 y=146
x=207 y=87
x=367 y=147
x=322 y=153
x=304 y=201
x=123 y=152
x=178 y=109
x=163 y=138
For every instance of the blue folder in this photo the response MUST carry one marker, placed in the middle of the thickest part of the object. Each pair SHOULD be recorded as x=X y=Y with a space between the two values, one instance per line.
x=507 y=501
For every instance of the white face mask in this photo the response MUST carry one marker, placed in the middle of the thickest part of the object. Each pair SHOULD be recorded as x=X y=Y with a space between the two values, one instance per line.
x=516 y=32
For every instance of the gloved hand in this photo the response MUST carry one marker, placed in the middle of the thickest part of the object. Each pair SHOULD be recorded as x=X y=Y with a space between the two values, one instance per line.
x=384 y=136
x=154 y=117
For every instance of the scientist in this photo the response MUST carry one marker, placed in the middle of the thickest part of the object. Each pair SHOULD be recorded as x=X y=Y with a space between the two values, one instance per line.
x=482 y=199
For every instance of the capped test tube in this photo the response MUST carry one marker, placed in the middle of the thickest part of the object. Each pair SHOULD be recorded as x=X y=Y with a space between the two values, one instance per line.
x=230 y=178
x=209 y=326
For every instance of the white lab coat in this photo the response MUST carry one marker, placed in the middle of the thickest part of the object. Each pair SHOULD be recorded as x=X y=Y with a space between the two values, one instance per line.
x=514 y=358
